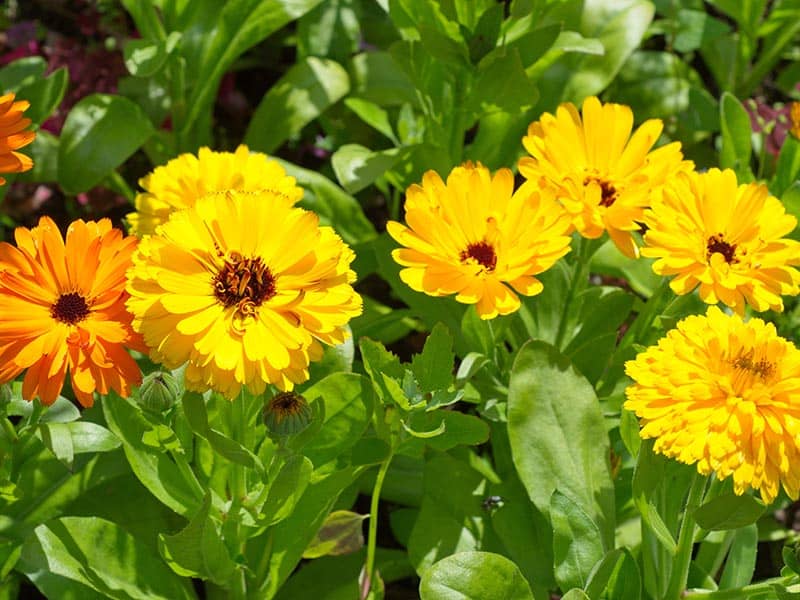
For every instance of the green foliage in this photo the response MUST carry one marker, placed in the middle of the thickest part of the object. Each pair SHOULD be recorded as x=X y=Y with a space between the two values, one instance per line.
x=474 y=575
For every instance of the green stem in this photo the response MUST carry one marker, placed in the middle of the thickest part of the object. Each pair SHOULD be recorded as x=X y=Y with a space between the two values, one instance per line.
x=644 y=320
x=747 y=592
x=683 y=554
x=372 y=536
x=187 y=473
x=579 y=278
x=117 y=183
x=9 y=430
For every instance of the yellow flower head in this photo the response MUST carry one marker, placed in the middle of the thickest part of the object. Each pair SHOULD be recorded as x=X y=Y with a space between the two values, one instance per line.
x=603 y=175
x=242 y=288
x=725 y=238
x=185 y=179
x=63 y=307
x=794 y=119
x=723 y=394
x=476 y=238
x=13 y=136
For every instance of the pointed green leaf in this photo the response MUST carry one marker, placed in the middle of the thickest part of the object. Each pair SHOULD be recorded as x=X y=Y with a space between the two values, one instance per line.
x=433 y=367
x=577 y=543
x=736 y=131
x=341 y=533
x=287 y=489
x=729 y=511
x=470 y=575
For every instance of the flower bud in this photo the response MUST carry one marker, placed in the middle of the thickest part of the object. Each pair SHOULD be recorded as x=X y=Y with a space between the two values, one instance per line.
x=158 y=392
x=286 y=414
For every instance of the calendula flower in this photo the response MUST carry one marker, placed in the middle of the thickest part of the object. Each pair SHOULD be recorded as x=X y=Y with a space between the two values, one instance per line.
x=13 y=136
x=794 y=119
x=604 y=176
x=725 y=395
x=726 y=238
x=63 y=307
x=242 y=288
x=185 y=179
x=474 y=237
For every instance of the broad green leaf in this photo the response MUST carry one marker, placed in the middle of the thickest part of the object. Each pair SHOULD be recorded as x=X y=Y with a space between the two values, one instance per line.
x=433 y=367
x=239 y=25
x=144 y=58
x=471 y=575
x=577 y=543
x=348 y=406
x=379 y=79
x=741 y=561
x=97 y=554
x=502 y=85
x=453 y=428
x=787 y=169
x=341 y=533
x=289 y=538
x=625 y=582
x=696 y=28
x=45 y=151
x=155 y=470
x=198 y=550
x=22 y=72
x=57 y=438
x=332 y=204
x=379 y=361
x=729 y=511
x=90 y=437
x=99 y=134
x=575 y=594
x=306 y=90
x=735 y=151
x=602 y=571
x=331 y=30
x=608 y=260
x=559 y=444
x=373 y=115
x=287 y=489
x=450 y=519
x=357 y=166
x=45 y=95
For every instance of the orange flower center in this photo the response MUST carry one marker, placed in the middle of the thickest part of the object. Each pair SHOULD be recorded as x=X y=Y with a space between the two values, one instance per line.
x=244 y=282
x=716 y=243
x=70 y=308
x=482 y=253
x=608 y=193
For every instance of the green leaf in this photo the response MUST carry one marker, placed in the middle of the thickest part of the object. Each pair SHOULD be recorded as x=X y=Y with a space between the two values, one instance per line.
x=454 y=429
x=427 y=433
x=348 y=406
x=22 y=72
x=626 y=582
x=332 y=30
x=45 y=150
x=287 y=489
x=307 y=89
x=373 y=115
x=332 y=204
x=577 y=543
x=145 y=58
x=45 y=95
x=99 y=134
x=791 y=200
x=736 y=130
x=379 y=79
x=90 y=437
x=787 y=169
x=502 y=85
x=341 y=533
x=86 y=552
x=433 y=367
x=558 y=443
x=152 y=467
x=198 y=550
x=729 y=511
x=741 y=562
x=470 y=575
x=57 y=438
x=575 y=594
x=696 y=28
x=357 y=166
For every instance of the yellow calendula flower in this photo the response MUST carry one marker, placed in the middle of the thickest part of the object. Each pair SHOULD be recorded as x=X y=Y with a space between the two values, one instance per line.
x=242 y=288
x=725 y=395
x=726 y=238
x=13 y=135
x=185 y=179
x=474 y=237
x=604 y=176
x=63 y=311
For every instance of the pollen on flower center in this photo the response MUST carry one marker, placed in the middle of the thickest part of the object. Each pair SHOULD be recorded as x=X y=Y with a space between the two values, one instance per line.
x=716 y=243
x=608 y=193
x=70 y=308
x=762 y=368
x=482 y=253
x=244 y=282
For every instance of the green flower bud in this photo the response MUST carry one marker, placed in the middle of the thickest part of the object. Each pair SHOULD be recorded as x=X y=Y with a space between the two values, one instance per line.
x=158 y=392
x=286 y=414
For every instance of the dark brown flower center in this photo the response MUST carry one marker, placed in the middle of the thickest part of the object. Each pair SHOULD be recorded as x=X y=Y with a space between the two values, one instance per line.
x=608 y=193
x=716 y=243
x=70 y=308
x=762 y=368
x=482 y=253
x=244 y=282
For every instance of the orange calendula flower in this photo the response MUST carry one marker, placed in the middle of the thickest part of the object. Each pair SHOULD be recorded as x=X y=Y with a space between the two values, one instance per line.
x=727 y=239
x=185 y=179
x=63 y=307
x=242 y=288
x=474 y=237
x=725 y=395
x=794 y=119
x=604 y=176
x=13 y=136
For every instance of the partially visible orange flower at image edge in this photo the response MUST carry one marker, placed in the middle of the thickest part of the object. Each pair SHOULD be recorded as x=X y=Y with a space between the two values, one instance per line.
x=63 y=310
x=13 y=136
